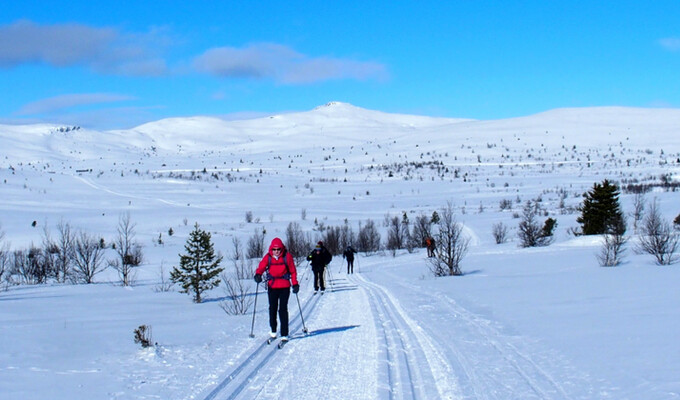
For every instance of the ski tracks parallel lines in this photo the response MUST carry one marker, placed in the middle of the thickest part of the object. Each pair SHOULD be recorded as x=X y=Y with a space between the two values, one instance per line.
x=416 y=368
x=542 y=383
x=235 y=382
x=495 y=351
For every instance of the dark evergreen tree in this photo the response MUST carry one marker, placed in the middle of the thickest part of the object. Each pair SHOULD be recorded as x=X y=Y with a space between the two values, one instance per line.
x=601 y=210
x=199 y=268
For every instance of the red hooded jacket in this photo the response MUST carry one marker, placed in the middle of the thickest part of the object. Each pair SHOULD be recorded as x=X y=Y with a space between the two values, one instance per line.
x=277 y=267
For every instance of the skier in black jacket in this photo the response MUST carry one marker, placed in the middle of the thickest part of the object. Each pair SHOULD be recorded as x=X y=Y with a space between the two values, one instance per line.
x=319 y=257
x=349 y=256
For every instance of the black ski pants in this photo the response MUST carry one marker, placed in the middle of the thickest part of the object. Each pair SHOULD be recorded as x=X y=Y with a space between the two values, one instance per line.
x=350 y=265
x=318 y=279
x=278 y=303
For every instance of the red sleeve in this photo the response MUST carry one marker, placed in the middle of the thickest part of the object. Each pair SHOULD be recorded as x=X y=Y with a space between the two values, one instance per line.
x=263 y=265
x=291 y=268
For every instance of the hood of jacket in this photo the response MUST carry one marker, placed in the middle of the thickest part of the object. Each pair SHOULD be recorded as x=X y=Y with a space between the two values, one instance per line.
x=277 y=244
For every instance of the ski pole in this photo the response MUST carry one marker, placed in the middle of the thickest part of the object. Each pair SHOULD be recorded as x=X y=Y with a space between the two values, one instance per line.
x=304 y=327
x=330 y=276
x=252 y=326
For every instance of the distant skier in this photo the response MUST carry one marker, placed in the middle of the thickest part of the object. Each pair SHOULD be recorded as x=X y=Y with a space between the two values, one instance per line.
x=349 y=256
x=279 y=265
x=430 y=244
x=319 y=257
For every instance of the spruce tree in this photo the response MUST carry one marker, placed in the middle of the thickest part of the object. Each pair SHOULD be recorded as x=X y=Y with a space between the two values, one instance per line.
x=199 y=268
x=601 y=211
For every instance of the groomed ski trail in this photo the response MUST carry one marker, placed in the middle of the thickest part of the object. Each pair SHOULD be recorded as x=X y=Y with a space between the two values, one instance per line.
x=412 y=367
x=239 y=377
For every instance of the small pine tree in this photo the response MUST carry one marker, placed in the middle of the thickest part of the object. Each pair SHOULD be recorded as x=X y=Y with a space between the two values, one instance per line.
x=601 y=211
x=199 y=268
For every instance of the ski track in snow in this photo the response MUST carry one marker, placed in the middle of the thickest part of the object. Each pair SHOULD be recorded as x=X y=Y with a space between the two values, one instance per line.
x=415 y=367
x=91 y=184
x=239 y=378
x=499 y=366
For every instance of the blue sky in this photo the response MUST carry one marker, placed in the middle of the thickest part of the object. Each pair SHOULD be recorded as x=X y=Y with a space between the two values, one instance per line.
x=117 y=64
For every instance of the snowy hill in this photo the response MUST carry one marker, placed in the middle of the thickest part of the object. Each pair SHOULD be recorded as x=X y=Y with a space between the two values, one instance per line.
x=537 y=323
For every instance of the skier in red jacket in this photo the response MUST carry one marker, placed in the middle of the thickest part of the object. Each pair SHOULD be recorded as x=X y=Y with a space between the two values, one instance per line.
x=279 y=265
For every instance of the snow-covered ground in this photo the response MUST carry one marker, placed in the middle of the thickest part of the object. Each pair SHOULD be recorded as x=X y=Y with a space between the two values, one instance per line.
x=538 y=323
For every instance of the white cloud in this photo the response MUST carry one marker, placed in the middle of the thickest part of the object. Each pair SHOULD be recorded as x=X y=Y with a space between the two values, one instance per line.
x=671 y=44
x=69 y=100
x=283 y=64
x=104 y=50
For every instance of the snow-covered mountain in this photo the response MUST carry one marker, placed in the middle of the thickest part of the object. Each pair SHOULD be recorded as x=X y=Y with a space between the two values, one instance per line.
x=338 y=123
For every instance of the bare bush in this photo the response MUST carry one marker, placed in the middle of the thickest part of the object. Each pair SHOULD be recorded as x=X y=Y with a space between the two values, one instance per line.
x=236 y=283
x=612 y=250
x=237 y=295
x=88 y=258
x=422 y=229
x=347 y=237
x=27 y=266
x=658 y=238
x=4 y=258
x=164 y=285
x=500 y=232
x=129 y=251
x=143 y=336
x=297 y=243
x=331 y=239
x=368 y=240
x=49 y=254
x=256 y=247
x=452 y=245
x=65 y=251
x=505 y=204
x=395 y=235
x=638 y=209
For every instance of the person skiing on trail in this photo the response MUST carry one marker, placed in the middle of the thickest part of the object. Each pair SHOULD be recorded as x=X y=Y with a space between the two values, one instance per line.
x=430 y=244
x=319 y=257
x=349 y=256
x=279 y=265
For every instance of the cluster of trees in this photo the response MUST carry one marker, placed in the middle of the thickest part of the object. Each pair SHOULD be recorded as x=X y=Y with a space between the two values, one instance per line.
x=73 y=256
x=601 y=214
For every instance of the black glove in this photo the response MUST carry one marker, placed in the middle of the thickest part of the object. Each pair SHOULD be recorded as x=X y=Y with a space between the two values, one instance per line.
x=258 y=278
x=296 y=288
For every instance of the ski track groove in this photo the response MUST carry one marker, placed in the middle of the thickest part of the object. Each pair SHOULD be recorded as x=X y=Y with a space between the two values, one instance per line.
x=538 y=381
x=258 y=354
x=412 y=357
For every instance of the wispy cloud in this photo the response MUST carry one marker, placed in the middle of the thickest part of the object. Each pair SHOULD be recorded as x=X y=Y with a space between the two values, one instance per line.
x=103 y=50
x=283 y=65
x=670 y=44
x=68 y=101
